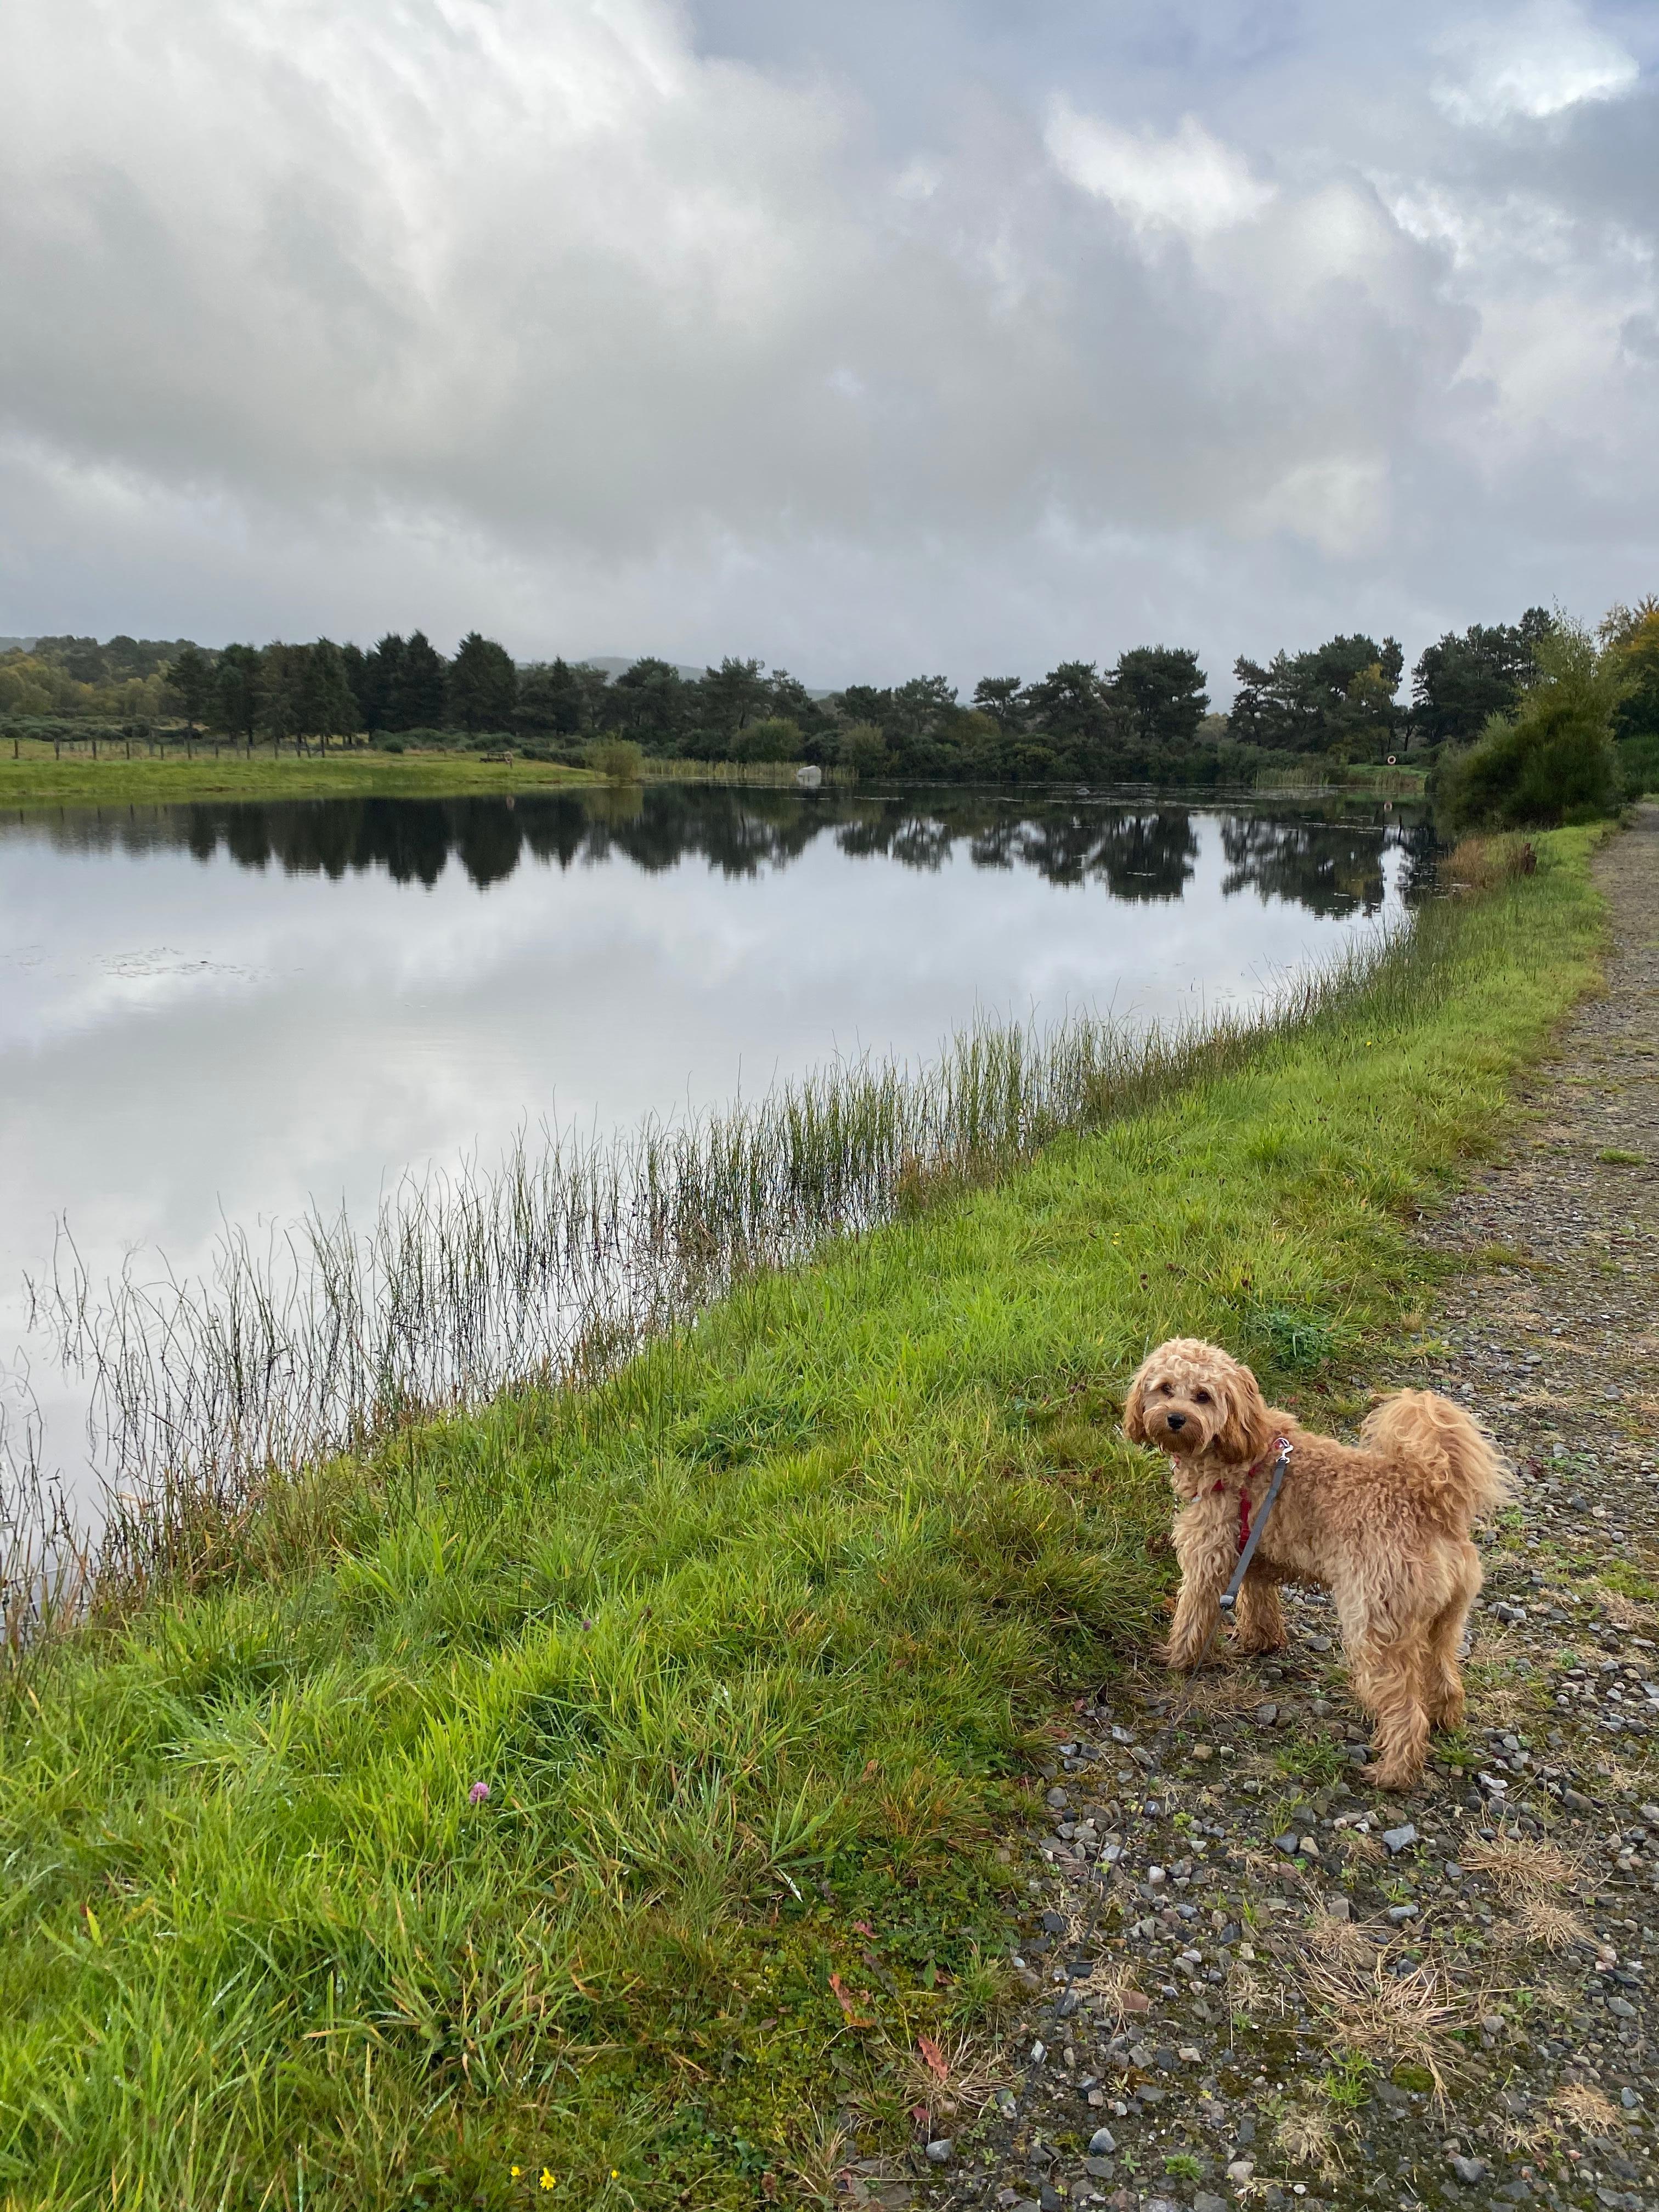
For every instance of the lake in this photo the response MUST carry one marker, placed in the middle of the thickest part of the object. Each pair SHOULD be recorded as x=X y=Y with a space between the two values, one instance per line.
x=222 y=1014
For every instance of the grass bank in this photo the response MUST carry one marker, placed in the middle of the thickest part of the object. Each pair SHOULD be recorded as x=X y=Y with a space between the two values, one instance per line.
x=745 y=1644
x=113 y=781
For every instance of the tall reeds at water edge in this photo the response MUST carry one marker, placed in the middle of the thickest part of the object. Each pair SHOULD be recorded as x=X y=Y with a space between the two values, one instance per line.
x=547 y=1270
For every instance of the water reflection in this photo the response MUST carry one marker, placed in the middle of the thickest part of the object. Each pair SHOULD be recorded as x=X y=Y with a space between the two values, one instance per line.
x=1139 y=853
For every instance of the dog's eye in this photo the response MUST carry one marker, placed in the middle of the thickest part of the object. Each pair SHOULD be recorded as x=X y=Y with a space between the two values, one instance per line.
x=1201 y=1397
x=1168 y=1389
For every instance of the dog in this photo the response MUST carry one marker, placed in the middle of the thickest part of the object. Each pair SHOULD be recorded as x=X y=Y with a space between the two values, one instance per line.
x=1383 y=1526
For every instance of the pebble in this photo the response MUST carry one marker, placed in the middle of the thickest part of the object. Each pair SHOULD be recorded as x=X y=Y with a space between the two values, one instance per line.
x=939 y=2151
x=1247 y=1866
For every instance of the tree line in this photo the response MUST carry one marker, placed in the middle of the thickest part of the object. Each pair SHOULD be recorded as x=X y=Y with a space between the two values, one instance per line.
x=1148 y=712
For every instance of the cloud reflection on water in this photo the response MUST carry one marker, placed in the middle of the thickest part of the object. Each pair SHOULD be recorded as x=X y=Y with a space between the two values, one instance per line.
x=222 y=1013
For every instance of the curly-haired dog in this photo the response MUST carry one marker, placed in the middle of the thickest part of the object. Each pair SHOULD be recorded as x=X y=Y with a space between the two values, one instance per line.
x=1383 y=1526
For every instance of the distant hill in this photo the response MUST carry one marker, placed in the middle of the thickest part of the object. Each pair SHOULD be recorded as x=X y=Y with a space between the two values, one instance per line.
x=17 y=644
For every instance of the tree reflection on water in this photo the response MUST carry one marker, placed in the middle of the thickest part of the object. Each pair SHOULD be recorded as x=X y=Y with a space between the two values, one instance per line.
x=1141 y=850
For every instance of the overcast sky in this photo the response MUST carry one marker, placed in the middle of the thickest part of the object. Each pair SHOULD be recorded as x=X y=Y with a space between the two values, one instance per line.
x=870 y=336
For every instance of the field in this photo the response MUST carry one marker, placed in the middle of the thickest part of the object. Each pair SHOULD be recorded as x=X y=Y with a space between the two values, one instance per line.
x=594 y=1799
x=36 y=778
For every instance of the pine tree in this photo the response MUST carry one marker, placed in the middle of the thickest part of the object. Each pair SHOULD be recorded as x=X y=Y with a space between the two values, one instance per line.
x=418 y=703
x=482 y=686
x=190 y=679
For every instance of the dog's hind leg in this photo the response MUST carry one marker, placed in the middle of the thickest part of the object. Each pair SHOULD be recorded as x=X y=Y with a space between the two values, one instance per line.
x=1386 y=1680
x=1442 y=1679
x=1259 y=1624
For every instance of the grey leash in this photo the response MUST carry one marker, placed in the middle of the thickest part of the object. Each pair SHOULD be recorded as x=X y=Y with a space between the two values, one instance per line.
x=1229 y=1595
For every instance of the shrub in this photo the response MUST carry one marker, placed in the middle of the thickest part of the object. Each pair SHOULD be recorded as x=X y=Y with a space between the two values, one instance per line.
x=863 y=749
x=618 y=759
x=1553 y=760
x=776 y=738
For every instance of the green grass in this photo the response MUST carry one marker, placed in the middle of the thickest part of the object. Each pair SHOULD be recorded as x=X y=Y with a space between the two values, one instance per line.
x=37 y=780
x=748 y=1644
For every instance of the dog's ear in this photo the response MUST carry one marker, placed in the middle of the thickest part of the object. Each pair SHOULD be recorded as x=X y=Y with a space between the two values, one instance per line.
x=1247 y=1432
x=1134 y=1407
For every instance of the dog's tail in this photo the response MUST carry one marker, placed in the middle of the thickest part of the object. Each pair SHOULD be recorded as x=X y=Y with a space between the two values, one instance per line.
x=1453 y=1464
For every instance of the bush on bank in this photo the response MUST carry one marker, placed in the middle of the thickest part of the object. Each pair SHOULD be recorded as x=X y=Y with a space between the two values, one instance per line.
x=1554 y=759
x=606 y=1786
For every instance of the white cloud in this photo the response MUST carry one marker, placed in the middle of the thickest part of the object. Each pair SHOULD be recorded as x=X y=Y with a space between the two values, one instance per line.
x=1188 y=181
x=1537 y=62
x=555 y=318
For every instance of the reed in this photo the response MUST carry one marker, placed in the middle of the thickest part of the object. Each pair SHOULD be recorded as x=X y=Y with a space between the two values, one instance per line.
x=545 y=1790
x=549 y=1268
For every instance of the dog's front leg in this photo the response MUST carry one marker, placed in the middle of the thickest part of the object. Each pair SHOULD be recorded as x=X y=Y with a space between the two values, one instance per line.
x=1259 y=1623
x=1207 y=1547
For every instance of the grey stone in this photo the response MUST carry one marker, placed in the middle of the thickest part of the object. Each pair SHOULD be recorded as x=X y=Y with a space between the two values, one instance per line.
x=1401 y=1913
x=1102 y=2143
x=1621 y=2008
x=1629 y=2100
x=939 y=2152
x=1286 y=1842
x=1469 y=2171
x=1102 y=2169
x=1207 y=2200
x=1338 y=1908
x=1265 y=1716
x=1400 y=1840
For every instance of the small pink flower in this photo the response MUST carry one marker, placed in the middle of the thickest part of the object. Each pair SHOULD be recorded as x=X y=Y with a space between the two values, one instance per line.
x=478 y=1793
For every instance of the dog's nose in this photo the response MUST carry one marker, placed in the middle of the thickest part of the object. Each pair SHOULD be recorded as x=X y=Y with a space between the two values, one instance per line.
x=1175 y=1420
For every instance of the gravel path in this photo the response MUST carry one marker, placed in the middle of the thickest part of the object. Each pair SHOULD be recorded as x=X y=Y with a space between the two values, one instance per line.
x=1220 y=1911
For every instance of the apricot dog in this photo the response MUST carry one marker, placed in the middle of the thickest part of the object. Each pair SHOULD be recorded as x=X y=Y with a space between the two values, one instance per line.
x=1384 y=1526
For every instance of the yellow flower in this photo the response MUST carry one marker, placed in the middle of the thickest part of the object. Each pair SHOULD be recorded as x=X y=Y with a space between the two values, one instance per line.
x=516 y=2172
x=548 y=2180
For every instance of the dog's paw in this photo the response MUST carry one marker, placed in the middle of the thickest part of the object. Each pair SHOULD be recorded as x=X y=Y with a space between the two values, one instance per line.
x=1395 y=1776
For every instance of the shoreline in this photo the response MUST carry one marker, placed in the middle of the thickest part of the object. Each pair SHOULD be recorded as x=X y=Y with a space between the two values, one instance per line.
x=41 y=781
x=749 y=1648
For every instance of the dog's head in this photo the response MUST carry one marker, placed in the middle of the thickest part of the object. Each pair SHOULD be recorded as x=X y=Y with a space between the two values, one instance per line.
x=1193 y=1401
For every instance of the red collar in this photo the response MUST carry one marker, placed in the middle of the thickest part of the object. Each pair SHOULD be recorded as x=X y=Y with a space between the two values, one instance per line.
x=1280 y=1445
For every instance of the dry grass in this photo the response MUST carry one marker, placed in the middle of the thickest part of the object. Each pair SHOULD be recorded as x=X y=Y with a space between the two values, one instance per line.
x=1482 y=863
x=1307 y=2138
x=1531 y=1877
x=1112 y=1985
x=1586 y=2110
x=972 y=2073
x=1523 y=1870
x=816 y=2168
x=1627 y=1612
x=1361 y=1849
x=1553 y=1926
x=1390 y=2019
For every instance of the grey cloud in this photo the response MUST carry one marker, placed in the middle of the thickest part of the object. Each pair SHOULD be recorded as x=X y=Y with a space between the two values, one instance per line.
x=866 y=341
